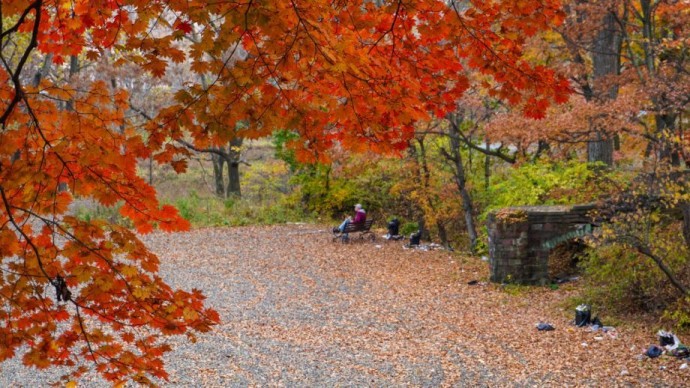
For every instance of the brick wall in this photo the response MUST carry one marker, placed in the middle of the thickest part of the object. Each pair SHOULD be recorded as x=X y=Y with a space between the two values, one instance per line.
x=518 y=239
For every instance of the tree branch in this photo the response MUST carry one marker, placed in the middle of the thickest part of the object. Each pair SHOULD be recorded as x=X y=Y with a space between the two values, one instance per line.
x=498 y=153
x=667 y=271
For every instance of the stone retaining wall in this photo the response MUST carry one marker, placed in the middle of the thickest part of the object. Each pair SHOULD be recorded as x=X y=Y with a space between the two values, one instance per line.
x=521 y=238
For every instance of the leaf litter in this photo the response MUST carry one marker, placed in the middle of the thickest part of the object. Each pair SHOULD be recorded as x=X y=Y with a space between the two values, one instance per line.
x=299 y=309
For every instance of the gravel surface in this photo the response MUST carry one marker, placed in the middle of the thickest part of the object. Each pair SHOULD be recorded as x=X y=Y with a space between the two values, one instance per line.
x=300 y=310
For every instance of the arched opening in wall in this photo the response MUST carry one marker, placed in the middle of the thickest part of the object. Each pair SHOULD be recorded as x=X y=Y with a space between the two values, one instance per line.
x=563 y=260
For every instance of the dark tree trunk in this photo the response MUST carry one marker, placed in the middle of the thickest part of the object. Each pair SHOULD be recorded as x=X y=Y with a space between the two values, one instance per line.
x=606 y=52
x=73 y=69
x=44 y=70
x=666 y=128
x=487 y=164
x=542 y=147
x=151 y=170
x=218 y=162
x=234 y=188
x=234 y=150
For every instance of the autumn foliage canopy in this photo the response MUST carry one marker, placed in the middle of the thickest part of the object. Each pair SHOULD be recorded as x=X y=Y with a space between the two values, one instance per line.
x=358 y=74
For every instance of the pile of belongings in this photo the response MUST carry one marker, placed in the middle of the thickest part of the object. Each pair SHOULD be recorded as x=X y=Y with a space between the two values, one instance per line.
x=670 y=344
x=583 y=318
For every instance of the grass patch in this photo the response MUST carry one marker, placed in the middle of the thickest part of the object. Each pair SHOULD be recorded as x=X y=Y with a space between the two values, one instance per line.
x=213 y=211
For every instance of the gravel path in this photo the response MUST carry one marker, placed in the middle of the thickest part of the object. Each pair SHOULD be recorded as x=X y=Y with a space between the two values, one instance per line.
x=296 y=319
x=299 y=310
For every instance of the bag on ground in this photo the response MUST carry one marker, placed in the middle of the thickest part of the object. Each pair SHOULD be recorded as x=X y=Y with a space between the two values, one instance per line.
x=415 y=238
x=393 y=227
x=583 y=315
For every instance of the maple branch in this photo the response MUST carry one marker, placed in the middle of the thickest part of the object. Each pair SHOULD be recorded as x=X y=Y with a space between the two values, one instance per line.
x=475 y=37
x=33 y=43
x=189 y=145
x=390 y=30
x=216 y=151
x=112 y=267
x=488 y=48
x=352 y=103
x=86 y=337
x=19 y=22
x=74 y=238
x=317 y=45
x=8 y=209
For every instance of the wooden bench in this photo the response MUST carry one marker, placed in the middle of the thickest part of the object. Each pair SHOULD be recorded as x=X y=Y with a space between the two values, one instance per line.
x=361 y=231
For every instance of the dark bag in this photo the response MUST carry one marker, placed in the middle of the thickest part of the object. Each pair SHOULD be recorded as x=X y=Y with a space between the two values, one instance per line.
x=543 y=326
x=393 y=227
x=654 y=351
x=666 y=338
x=583 y=315
x=415 y=237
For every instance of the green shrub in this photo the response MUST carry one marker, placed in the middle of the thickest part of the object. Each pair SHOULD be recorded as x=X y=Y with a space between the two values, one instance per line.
x=408 y=227
x=625 y=282
x=544 y=182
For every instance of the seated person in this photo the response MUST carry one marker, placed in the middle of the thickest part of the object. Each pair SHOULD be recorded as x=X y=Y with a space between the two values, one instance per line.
x=360 y=217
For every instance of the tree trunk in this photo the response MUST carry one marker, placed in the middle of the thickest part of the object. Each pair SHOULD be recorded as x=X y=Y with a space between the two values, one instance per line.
x=73 y=69
x=234 y=150
x=218 y=162
x=487 y=165
x=666 y=128
x=469 y=217
x=426 y=176
x=421 y=219
x=151 y=170
x=542 y=146
x=600 y=149
x=460 y=180
x=606 y=52
x=44 y=70
x=234 y=188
